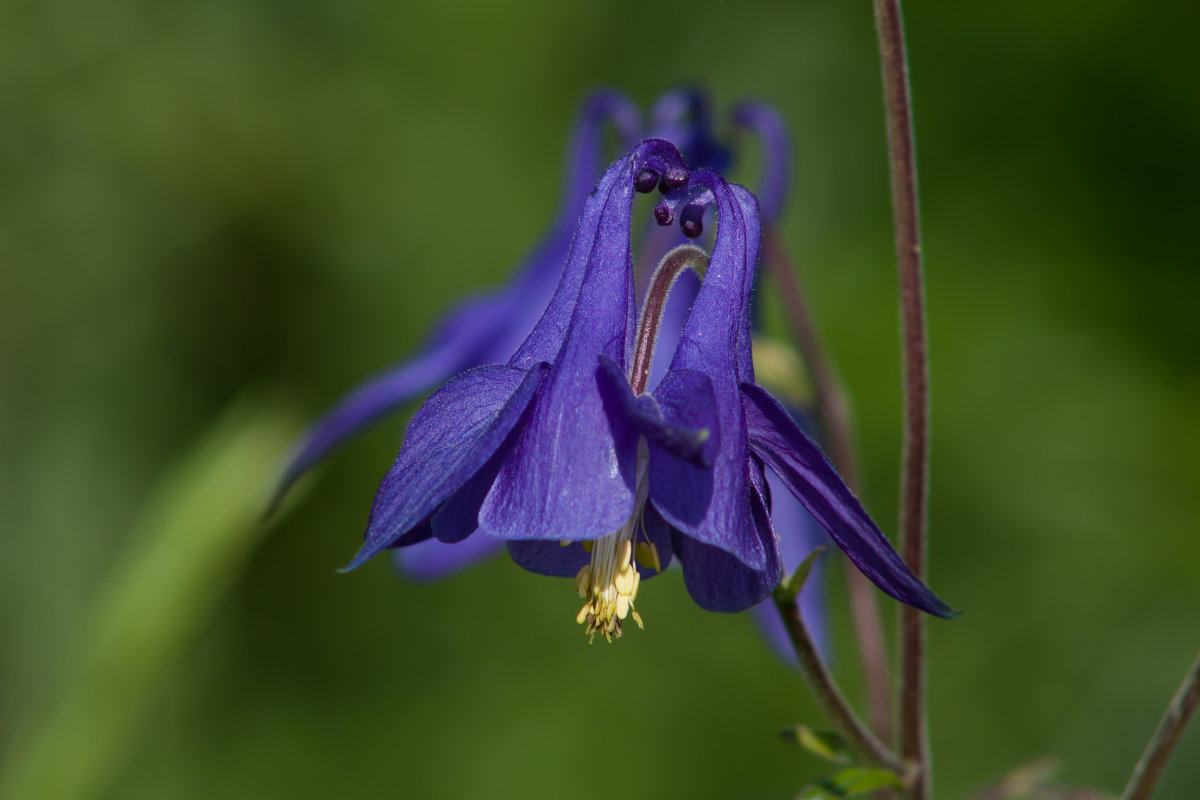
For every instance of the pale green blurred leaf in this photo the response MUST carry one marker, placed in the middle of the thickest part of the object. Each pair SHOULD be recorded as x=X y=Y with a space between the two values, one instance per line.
x=192 y=535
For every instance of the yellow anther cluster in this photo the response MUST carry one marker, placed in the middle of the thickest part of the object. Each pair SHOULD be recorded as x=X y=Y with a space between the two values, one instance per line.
x=608 y=585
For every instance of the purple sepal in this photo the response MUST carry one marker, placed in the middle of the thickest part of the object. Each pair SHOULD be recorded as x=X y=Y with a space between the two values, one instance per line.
x=458 y=517
x=451 y=437
x=807 y=474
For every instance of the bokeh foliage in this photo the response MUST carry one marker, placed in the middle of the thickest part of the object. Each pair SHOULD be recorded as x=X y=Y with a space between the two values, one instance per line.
x=200 y=198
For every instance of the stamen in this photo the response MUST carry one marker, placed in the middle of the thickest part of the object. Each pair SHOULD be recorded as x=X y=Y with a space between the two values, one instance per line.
x=647 y=556
x=583 y=581
x=624 y=581
x=609 y=584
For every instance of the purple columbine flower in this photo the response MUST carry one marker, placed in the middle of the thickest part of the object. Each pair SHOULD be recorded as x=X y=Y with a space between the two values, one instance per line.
x=563 y=453
x=487 y=329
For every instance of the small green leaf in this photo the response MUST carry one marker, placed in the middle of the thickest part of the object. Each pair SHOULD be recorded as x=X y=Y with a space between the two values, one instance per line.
x=791 y=585
x=823 y=744
x=852 y=782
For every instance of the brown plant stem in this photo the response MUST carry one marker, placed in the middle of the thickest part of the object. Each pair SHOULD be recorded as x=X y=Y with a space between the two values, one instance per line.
x=1153 y=762
x=830 y=697
x=913 y=726
x=834 y=413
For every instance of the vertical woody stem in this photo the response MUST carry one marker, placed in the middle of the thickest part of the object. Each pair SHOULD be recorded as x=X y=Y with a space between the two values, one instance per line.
x=913 y=730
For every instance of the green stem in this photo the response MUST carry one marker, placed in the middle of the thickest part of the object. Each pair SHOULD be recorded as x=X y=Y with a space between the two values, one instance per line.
x=830 y=697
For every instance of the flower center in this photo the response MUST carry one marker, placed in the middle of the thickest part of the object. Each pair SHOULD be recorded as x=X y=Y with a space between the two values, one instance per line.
x=609 y=584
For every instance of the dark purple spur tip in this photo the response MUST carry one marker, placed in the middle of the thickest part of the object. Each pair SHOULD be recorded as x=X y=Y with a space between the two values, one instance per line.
x=645 y=180
x=691 y=221
x=674 y=179
x=664 y=213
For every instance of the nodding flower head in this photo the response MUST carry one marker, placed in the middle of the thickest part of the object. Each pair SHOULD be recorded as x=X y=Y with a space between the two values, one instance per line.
x=567 y=454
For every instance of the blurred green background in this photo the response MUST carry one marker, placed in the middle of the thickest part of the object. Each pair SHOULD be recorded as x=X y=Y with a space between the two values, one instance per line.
x=204 y=200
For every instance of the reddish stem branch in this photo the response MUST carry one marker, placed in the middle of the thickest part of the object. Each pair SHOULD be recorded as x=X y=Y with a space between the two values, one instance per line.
x=826 y=691
x=834 y=413
x=915 y=457
x=1153 y=762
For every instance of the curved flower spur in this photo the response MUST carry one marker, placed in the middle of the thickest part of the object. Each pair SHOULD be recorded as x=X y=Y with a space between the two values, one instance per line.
x=561 y=447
